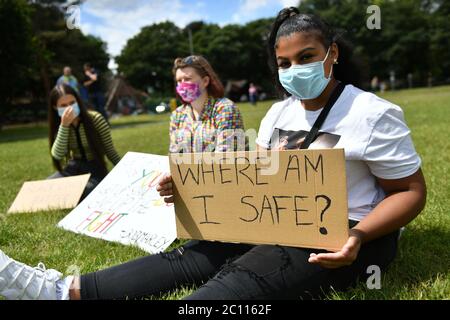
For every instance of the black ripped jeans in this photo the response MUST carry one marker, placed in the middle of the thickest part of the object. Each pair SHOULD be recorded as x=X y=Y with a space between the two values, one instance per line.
x=226 y=271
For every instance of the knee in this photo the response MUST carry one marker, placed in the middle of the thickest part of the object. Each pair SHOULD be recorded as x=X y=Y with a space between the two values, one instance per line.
x=263 y=260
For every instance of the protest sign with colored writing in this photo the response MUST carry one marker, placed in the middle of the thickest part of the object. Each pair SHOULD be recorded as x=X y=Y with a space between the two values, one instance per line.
x=125 y=207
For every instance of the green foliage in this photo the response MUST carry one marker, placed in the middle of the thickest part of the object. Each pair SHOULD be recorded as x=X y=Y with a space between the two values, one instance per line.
x=236 y=52
x=414 y=38
x=34 y=51
x=148 y=58
x=15 y=49
x=414 y=35
x=57 y=46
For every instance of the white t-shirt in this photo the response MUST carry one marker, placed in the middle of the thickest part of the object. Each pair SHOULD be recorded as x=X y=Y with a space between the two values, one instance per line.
x=371 y=130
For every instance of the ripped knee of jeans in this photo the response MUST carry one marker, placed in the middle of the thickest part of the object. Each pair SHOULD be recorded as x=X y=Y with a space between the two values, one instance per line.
x=260 y=262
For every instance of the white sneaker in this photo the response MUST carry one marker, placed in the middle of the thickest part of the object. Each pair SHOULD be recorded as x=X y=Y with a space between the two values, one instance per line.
x=21 y=282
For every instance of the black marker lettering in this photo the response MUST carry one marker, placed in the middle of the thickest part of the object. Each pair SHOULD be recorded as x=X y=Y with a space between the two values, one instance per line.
x=208 y=172
x=205 y=208
x=277 y=208
x=314 y=167
x=297 y=210
x=242 y=171
x=266 y=199
x=256 y=173
x=249 y=204
x=221 y=170
x=189 y=171
x=324 y=230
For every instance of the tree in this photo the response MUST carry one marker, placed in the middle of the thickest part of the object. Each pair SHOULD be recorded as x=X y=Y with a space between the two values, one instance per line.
x=147 y=58
x=236 y=52
x=257 y=69
x=15 y=51
x=33 y=52
x=412 y=34
x=56 y=46
x=414 y=38
x=440 y=39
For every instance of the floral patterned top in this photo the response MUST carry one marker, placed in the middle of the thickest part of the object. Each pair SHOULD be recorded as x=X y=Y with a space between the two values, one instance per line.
x=220 y=128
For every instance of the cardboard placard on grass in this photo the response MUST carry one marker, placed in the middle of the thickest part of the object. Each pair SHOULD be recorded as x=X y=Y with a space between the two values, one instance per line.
x=53 y=194
x=294 y=198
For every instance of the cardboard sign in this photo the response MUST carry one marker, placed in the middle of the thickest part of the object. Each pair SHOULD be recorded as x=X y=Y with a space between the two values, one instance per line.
x=125 y=207
x=293 y=198
x=53 y=194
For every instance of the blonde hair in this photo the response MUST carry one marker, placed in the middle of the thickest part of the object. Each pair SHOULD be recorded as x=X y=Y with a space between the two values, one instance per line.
x=203 y=68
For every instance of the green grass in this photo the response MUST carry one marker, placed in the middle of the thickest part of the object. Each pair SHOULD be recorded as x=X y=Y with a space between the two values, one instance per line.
x=420 y=271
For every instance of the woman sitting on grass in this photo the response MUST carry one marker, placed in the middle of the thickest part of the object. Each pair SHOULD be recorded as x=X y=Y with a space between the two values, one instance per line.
x=385 y=186
x=78 y=137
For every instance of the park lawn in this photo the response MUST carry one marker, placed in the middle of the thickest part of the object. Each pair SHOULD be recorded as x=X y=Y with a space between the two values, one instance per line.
x=420 y=271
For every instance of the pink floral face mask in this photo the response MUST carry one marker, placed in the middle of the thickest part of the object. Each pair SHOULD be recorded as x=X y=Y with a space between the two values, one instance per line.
x=189 y=91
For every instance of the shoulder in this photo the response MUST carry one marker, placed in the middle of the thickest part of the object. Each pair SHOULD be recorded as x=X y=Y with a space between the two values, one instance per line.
x=276 y=112
x=178 y=112
x=225 y=108
x=269 y=122
x=369 y=106
x=225 y=104
x=278 y=108
x=96 y=117
x=94 y=114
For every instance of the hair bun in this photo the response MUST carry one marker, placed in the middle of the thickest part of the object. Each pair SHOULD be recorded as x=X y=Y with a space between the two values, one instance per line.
x=289 y=12
x=177 y=61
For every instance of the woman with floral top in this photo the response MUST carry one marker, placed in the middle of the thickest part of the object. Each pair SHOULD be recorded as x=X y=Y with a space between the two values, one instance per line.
x=206 y=121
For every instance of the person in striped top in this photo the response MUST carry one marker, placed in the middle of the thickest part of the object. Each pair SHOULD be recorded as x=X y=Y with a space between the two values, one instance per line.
x=79 y=138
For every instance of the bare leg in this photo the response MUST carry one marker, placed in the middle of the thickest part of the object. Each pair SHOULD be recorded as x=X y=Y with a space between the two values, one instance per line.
x=74 y=290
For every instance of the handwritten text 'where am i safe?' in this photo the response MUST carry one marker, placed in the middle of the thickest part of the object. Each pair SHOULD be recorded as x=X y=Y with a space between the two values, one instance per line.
x=294 y=197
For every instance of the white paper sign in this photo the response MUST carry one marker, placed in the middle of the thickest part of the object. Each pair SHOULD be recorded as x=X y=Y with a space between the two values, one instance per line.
x=125 y=207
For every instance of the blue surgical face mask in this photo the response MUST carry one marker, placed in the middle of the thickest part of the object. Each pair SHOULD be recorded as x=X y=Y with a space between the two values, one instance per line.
x=75 y=107
x=305 y=81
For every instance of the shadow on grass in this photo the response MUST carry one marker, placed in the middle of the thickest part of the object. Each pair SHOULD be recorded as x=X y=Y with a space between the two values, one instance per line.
x=40 y=131
x=423 y=253
x=137 y=123
x=23 y=133
x=422 y=259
